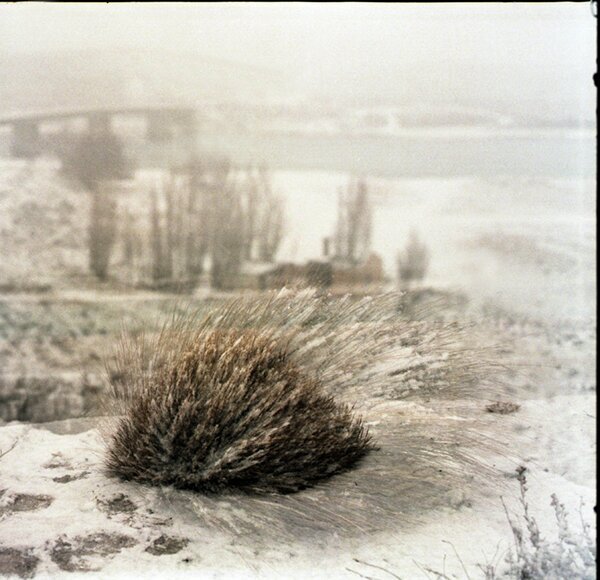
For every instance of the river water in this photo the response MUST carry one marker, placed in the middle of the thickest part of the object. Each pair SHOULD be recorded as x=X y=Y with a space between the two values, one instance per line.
x=418 y=154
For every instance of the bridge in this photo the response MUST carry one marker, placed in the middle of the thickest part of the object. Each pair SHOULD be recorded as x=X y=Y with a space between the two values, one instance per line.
x=160 y=123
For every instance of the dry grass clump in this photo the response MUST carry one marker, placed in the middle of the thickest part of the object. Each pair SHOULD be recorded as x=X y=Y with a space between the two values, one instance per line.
x=256 y=393
x=232 y=410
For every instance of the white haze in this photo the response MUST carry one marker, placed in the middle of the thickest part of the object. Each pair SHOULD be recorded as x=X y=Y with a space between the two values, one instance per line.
x=526 y=56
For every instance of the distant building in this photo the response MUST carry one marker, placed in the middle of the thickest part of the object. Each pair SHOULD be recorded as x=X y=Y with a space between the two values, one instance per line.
x=253 y=276
x=334 y=275
x=368 y=273
x=287 y=275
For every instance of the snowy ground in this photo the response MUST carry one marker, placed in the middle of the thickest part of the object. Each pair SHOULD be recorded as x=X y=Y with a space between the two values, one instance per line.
x=519 y=259
x=59 y=509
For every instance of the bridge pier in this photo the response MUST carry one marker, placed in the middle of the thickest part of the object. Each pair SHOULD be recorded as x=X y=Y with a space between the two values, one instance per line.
x=159 y=126
x=162 y=125
x=185 y=120
x=26 y=139
x=99 y=123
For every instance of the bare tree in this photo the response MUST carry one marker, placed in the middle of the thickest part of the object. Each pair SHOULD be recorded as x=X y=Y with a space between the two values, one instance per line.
x=96 y=158
x=176 y=216
x=213 y=210
x=132 y=246
x=156 y=238
x=413 y=262
x=128 y=236
x=198 y=220
x=354 y=223
x=271 y=219
x=227 y=244
x=102 y=233
x=170 y=233
x=252 y=209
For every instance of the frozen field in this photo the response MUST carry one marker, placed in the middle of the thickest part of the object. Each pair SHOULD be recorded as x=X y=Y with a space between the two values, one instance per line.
x=516 y=258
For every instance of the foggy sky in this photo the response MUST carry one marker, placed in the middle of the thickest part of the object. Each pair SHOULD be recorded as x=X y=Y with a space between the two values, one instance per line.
x=448 y=52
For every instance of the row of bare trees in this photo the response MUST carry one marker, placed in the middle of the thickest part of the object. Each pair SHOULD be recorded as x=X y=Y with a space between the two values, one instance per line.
x=209 y=215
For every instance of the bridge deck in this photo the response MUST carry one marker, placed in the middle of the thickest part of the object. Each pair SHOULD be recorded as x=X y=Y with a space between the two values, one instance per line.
x=60 y=114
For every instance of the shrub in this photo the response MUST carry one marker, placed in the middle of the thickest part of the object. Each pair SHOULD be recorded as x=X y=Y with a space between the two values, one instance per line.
x=413 y=262
x=572 y=555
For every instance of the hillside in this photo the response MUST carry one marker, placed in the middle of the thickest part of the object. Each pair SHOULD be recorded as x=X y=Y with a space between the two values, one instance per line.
x=88 y=78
